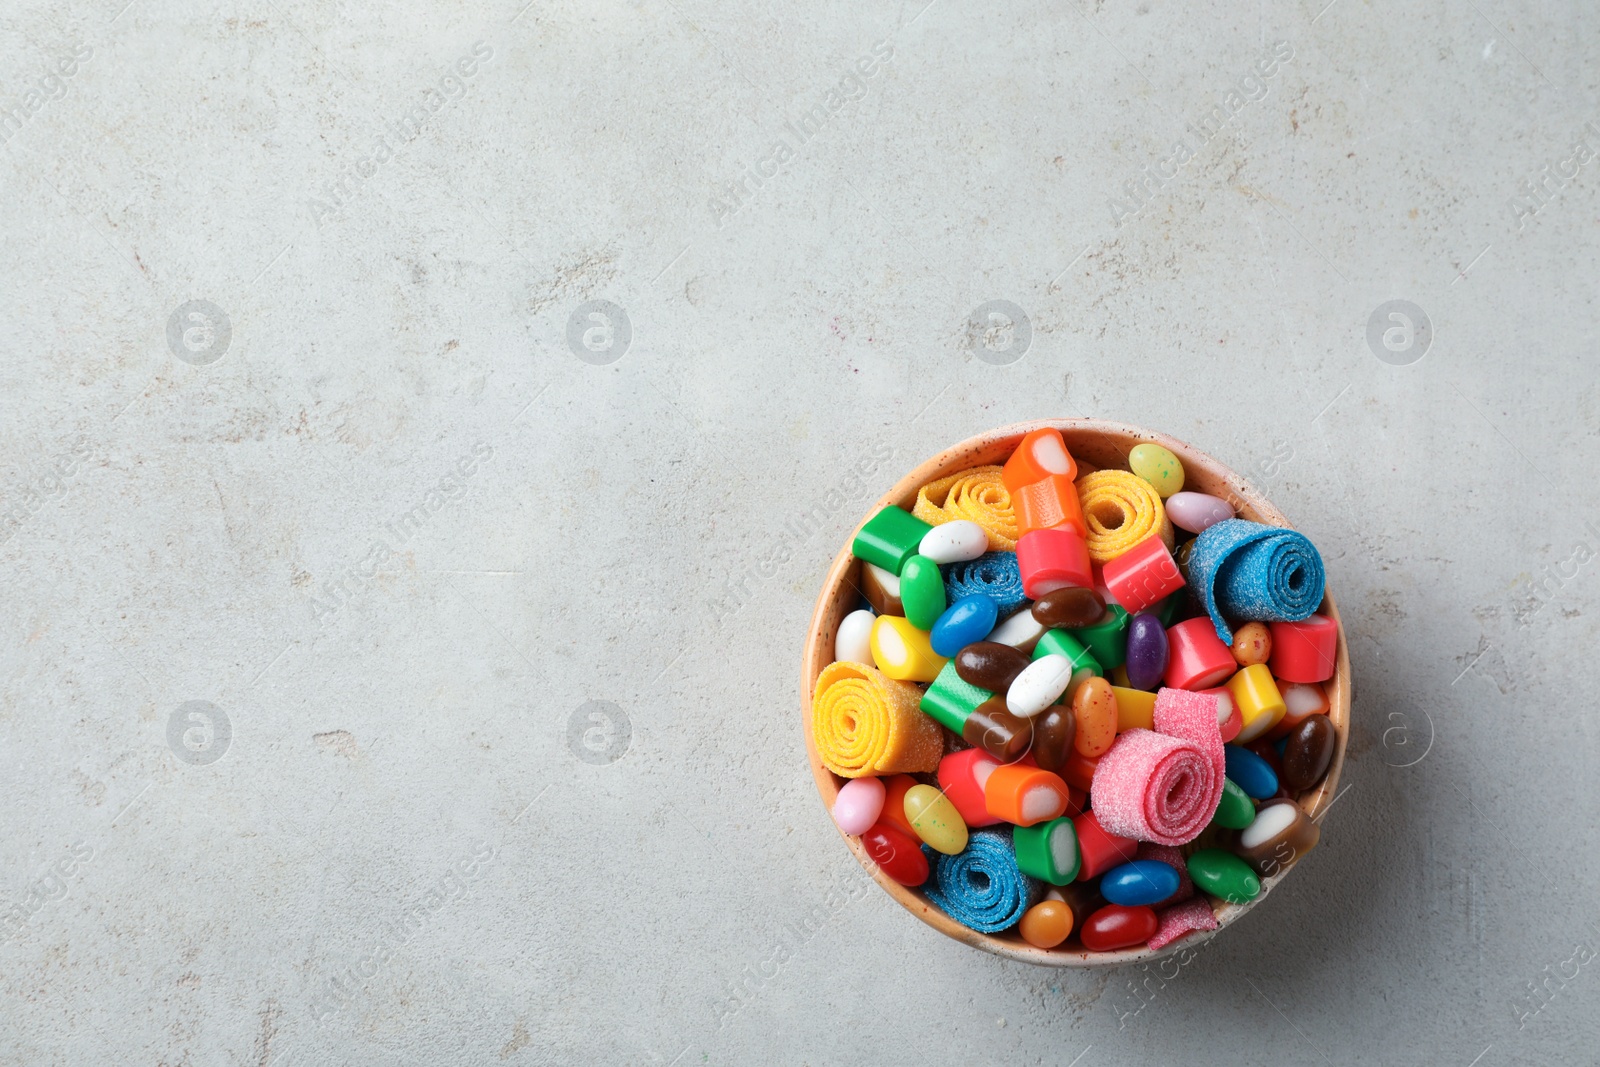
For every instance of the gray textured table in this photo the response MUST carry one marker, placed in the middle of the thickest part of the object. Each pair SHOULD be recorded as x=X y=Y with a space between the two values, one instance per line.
x=425 y=428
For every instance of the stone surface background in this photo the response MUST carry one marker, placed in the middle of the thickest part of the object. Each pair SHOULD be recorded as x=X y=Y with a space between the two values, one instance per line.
x=493 y=609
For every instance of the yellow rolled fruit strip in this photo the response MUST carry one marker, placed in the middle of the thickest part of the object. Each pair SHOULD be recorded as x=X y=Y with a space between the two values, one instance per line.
x=1120 y=509
x=866 y=724
x=977 y=494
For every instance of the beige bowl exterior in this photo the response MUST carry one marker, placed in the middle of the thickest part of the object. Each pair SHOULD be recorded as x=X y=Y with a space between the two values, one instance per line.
x=1094 y=444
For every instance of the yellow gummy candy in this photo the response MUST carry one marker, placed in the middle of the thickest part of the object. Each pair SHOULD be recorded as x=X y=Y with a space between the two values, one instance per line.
x=977 y=494
x=864 y=723
x=902 y=651
x=1120 y=509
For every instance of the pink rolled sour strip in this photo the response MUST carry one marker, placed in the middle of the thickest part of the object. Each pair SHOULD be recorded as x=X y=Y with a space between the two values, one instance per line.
x=1180 y=920
x=1163 y=786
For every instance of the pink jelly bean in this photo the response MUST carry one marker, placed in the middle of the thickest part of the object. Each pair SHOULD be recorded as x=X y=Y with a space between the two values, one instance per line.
x=859 y=805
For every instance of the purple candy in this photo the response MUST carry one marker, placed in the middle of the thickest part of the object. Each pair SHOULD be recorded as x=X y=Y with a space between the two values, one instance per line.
x=1147 y=651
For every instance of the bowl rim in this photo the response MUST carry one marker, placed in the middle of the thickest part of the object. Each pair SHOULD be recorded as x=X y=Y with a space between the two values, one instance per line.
x=1248 y=502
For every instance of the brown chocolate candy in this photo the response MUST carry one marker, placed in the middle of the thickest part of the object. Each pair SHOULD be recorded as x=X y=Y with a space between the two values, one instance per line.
x=1307 y=753
x=1053 y=731
x=1071 y=608
x=994 y=729
x=990 y=665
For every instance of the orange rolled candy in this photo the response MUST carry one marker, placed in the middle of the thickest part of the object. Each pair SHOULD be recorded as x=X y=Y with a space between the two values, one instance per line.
x=1024 y=795
x=977 y=494
x=1121 y=509
x=1050 y=501
x=865 y=723
x=1039 y=455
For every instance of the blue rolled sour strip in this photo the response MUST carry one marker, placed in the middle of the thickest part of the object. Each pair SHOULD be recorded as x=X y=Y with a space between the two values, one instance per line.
x=1244 y=570
x=994 y=574
x=980 y=886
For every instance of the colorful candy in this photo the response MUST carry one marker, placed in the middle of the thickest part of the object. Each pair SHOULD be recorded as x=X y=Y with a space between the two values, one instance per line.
x=1308 y=752
x=1021 y=631
x=1301 y=700
x=1180 y=920
x=1136 y=708
x=994 y=729
x=1196 y=512
x=981 y=887
x=1038 y=455
x=1223 y=875
x=1047 y=503
x=922 y=591
x=1196 y=659
x=991 y=665
x=1046 y=924
x=1039 y=685
x=1048 y=560
x=902 y=651
x=1278 y=836
x=889 y=538
x=1139 y=882
x=864 y=722
x=1070 y=607
x=1120 y=509
x=962 y=776
x=1255 y=572
x=1173 y=858
x=953 y=542
x=1116 y=926
x=993 y=574
x=897 y=853
x=1048 y=851
x=853 y=642
x=1260 y=703
x=1158 y=466
x=1054 y=731
x=1146 y=574
x=1100 y=850
x=935 y=819
x=1094 y=709
x=977 y=495
x=881 y=589
x=1147 y=651
x=1250 y=772
x=967 y=620
x=1234 y=810
x=1107 y=640
x=858 y=805
x=895 y=789
x=1163 y=787
x=950 y=699
x=1252 y=644
x=1023 y=795
x=1305 y=651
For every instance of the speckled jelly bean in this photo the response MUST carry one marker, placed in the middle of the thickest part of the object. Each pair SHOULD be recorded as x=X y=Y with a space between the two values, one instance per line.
x=952 y=542
x=967 y=620
x=1252 y=644
x=935 y=819
x=1147 y=651
x=1139 y=882
x=1094 y=706
x=1250 y=772
x=1158 y=466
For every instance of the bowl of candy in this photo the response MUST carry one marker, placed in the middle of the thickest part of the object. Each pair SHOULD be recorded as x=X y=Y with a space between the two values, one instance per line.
x=1076 y=694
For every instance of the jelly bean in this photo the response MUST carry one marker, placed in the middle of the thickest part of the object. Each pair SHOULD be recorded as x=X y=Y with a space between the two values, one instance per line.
x=1136 y=708
x=1301 y=700
x=903 y=652
x=889 y=538
x=1048 y=503
x=1158 y=466
x=1305 y=651
x=1252 y=644
x=1250 y=772
x=962 y=776
x=1260 y=703
x=1147 y=651
x=1278 y=836
x=882 y=590
x=859 y=804
x=895 y=788
x=1234 y=810
x=1196 y=658
x=1139 y=882
x=1070 y=607
x=1107 y=640
x=1021 y=631
x=1053 y=732
x=897 y=853
x=935 y=819
x=1095 y=708
x=952 y=542
x=1052 y=559
x=1079 y=770
x=922 y=591
x=1307 y=753
x=1024 y=795
x=1222 y=874
x=967 y=620
x=1196 y=511
x=1143 y=575
x=853 y=642
x=1037 y=687
x=1099 y=849
x=1117 y=926
x=991 y=665
x=1048 y=851
x=1046 y=924
x=1039 y=454
x=1001 y=734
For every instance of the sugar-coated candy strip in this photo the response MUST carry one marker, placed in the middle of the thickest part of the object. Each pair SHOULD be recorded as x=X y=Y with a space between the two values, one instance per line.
x=1120 y=510
x=1180 y=920
x=1244 y=570
x=1163 y=786
x=978 y=494
x=994 y=574
x=981 y=887
x=863 y=722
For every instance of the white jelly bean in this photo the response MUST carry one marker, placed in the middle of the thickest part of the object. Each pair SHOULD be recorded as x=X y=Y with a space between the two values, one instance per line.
x=1021 y=631
x=1196 y=512
x=1039 y=685
x=1269 y=822
x=952 y=542
x=853 y=643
